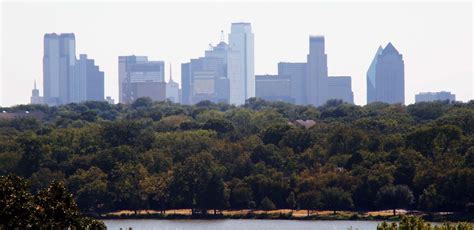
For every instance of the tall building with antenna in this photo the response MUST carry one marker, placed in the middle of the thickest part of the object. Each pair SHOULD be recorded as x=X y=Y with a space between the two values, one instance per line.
x=140 y=77
x=172 y=89
x=216 y=77
x=35 y=97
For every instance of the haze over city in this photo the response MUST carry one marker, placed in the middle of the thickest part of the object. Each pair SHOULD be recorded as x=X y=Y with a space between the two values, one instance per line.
x=435 y=39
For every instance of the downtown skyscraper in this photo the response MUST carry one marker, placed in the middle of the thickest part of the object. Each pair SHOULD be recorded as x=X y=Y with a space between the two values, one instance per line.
x=66 y=79
x=225 y=73
x=210 y=77
x=59 y=59
x=87 y=83
x=241 y=39
x=140 y=77
x=317 y=73
x=386 y=77
x=309 y=81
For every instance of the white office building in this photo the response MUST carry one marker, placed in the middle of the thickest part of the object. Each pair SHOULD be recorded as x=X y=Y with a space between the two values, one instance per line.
x=241 y=39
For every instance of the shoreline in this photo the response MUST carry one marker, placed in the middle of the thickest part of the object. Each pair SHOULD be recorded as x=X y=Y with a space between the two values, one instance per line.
x=289 y=215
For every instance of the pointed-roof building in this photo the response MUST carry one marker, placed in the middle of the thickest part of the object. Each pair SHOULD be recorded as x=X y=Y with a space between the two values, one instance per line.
x=172 y=89
x=371 y=77
x=35 y=97
x=386 y=77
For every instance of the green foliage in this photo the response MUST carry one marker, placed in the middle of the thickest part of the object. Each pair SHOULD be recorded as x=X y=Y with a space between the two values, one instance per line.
x=395 y=196
x=267 y=204
x=91 y=188
x=412 y=222
x=291 y=200
x=17 y=207
x=161 y=155
x=336 y=199
x=51 y=208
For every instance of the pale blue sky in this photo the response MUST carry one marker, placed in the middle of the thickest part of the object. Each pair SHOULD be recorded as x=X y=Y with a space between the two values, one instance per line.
x=435 y=38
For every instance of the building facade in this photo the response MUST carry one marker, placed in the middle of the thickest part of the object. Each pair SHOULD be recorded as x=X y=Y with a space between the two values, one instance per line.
x=386 y=77
x=371 y=94
x=139 y=77
x=214 y=77
x=241 y=39
x=59 y=58
x=185 y=83
x=297 y=74
x=65 y=78
x=317 y=73
x=172 y=89
x=274 y=88
x=110 y=100
x=309 y=81
x=435 y=96
x=87 y=83
x=35 y=96
x=340 y=87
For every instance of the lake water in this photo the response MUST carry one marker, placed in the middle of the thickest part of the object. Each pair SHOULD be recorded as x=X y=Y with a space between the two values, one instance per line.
x=240 y=224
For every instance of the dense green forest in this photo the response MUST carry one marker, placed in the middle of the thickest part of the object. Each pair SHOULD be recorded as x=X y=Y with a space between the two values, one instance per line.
x=52 y=207
x=160 y=155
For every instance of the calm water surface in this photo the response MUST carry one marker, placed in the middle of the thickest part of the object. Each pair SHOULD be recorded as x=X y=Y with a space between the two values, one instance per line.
x=239 y=224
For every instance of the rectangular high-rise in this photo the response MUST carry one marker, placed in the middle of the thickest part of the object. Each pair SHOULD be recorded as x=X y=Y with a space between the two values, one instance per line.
x=297 y=74
x=241 y=39
x=273 y=88
x=139 y=77
x=185 y=84
x=59 y=57
x=340 y=87
x=317 y=73
x=435 y=96
x=87 y=83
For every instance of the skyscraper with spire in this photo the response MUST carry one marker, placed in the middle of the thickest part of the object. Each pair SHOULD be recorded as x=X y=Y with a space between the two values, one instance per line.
x=172 y=89
x=386 y=77
x=35 y=97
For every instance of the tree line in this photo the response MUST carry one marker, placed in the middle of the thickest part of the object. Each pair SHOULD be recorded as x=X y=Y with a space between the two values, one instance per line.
x=161 y=155
x=50 y=208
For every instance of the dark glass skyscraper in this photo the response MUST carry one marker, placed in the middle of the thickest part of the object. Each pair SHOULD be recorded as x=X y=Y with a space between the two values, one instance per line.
x=386 y=77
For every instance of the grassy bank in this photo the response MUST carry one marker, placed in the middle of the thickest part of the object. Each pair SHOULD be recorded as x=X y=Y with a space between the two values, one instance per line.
x=286 y=214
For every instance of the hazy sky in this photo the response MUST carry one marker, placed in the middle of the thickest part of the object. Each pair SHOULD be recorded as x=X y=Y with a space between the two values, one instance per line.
x=435 y=38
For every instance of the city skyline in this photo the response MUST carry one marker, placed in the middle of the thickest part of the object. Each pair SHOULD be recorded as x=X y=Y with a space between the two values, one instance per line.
x=454 y=80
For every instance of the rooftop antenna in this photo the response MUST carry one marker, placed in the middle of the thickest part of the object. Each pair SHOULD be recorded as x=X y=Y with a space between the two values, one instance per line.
x=222 y=35
x=35 y=84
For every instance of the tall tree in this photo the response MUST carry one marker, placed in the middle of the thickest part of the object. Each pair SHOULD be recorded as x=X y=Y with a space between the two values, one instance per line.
x=395 y=196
